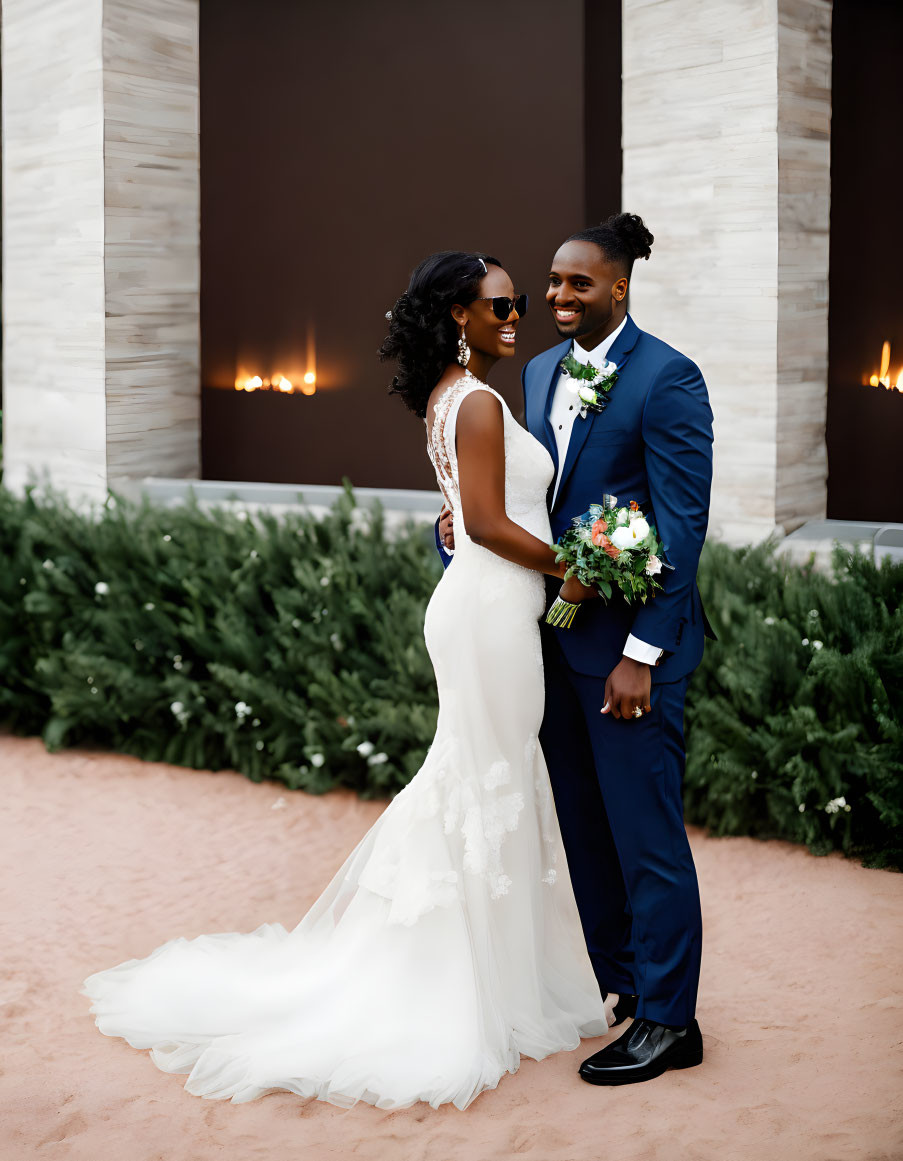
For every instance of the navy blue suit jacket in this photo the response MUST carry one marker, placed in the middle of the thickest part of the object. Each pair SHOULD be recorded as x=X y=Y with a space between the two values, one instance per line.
x=653 y=444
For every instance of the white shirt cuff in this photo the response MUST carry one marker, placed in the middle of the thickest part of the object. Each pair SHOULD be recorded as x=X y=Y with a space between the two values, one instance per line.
x=638 y=650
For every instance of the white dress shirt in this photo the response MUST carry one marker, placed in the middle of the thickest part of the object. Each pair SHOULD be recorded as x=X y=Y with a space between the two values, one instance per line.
x=564 y=410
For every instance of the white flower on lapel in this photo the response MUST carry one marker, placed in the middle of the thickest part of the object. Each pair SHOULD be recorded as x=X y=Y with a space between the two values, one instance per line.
x=586 y=394
x=653 y=565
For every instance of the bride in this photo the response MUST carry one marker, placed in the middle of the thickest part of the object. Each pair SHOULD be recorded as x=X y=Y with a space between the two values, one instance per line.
x=449 y=944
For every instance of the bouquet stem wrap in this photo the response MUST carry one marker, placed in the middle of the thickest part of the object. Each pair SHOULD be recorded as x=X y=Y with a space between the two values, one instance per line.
x=561 y=614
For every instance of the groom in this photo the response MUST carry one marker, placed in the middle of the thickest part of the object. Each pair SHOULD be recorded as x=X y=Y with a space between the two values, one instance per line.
x=616 y=681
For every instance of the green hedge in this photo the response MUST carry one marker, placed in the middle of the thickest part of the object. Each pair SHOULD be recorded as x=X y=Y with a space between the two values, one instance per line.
x=292 y=648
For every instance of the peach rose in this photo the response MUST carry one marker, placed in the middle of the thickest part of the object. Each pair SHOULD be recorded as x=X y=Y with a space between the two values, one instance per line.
x=606 y=545
x=597 y=533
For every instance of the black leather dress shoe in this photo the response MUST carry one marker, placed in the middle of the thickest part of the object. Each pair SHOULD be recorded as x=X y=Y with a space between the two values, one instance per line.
x=644 y=1051
x=626 y=1006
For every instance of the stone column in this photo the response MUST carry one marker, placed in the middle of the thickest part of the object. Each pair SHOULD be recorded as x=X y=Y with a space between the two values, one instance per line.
x=101 y=242
x=726 y=120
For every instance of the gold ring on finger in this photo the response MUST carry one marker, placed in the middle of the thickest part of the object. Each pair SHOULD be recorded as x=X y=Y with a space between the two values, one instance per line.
x=638 y=711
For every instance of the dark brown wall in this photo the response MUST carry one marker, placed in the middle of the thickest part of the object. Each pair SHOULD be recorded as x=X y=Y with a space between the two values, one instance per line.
x=865 y=424
x=339 y=145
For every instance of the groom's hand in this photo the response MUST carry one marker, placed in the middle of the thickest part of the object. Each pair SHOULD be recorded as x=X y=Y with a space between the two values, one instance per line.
x=628 y=685
x=447 y=528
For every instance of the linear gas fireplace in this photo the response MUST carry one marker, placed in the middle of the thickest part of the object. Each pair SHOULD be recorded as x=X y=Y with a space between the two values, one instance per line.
x=865 y=374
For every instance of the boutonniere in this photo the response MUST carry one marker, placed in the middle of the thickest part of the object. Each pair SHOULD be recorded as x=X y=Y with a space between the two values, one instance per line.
x=590 y=384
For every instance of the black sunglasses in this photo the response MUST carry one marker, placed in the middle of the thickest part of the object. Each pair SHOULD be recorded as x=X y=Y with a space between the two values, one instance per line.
x=502 y=307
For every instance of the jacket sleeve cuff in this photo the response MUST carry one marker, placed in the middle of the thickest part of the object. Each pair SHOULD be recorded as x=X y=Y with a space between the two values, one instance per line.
x=638 y=650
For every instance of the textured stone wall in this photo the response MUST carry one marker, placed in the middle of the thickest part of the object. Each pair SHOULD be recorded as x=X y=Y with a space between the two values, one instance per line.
x=101 y=241
x=726 y=112
x=53 y=228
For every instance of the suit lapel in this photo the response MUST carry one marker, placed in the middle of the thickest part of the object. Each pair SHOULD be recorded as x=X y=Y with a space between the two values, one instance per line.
x=619 y=354
x=545 y=376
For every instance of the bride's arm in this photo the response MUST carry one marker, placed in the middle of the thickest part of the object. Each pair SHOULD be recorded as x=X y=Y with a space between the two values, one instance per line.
x=480 y=446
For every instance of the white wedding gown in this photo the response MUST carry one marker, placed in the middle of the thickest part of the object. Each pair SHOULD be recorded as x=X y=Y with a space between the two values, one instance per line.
x=449 y=943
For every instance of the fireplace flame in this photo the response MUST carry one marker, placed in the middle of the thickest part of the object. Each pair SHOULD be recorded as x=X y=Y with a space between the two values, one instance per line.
x=274 y=382
x=883 y=378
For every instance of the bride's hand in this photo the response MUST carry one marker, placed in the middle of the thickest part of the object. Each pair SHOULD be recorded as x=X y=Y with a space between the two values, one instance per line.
x=574 y=592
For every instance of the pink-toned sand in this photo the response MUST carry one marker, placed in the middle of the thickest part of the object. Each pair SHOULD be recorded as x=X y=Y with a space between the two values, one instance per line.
x=106 y=857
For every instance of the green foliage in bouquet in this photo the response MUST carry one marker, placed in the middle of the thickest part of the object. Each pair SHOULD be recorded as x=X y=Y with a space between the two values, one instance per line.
x=289 y=648
x=795 y=717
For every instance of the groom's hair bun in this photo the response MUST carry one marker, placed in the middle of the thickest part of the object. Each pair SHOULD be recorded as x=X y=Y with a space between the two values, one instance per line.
x=621 y=238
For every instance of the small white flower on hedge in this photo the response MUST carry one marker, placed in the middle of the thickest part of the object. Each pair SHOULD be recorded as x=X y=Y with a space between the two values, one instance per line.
x=835 y=805
x=755 y=774
x=805 y=641
x=253 y=554
x=177 y=708
x=90 y=680
x=47 y=564
x=802 y=807
x=296 y=624
x=769 y=620
x=242 y=709
x=377 y=759
x=167 y=538
x=255 y=722
x=813 y=614
x=324 y=581
x=317 y=760
x=149 y=606
x=818 y=645
x=365 y=749
x=101 y=588
x=259 y=745
x=94 y=689
x=336 y=641
x=139 y=645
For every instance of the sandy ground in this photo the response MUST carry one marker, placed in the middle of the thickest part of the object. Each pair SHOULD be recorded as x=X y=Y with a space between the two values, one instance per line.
x=105 y=857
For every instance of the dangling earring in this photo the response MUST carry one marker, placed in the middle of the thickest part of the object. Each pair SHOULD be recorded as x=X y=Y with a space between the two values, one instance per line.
x=463 y=350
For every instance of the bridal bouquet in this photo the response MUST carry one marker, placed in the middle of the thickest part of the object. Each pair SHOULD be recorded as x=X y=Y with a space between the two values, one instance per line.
x=607 y=548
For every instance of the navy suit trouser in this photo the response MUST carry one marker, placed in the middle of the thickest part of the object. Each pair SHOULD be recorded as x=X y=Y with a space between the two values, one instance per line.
x=617 y=787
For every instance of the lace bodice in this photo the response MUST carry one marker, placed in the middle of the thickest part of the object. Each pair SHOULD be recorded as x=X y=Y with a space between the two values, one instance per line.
x=528 y=466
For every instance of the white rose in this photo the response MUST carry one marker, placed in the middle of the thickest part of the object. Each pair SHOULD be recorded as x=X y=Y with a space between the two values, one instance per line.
x=653 y=565
x=623 y=515
x=586 y=395
x=177 y=708
x=639 y=528
x=622 y=537
x=317 y=760
x=101 y=588
x=365 y=749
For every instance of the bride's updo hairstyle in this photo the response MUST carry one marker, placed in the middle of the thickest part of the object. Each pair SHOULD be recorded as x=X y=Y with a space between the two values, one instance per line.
x=423 y=337
x=622 y=238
